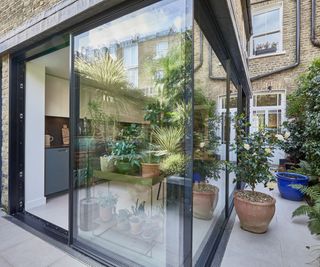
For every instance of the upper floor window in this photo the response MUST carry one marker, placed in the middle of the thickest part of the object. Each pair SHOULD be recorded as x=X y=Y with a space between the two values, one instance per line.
x=267 y=31
x=130 y=61
x=161 y=49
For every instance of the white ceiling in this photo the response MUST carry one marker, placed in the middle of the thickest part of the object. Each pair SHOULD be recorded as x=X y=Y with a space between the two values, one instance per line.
x=56 y=63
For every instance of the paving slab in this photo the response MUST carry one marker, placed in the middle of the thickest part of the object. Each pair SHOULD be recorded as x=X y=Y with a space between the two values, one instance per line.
x=284 y=245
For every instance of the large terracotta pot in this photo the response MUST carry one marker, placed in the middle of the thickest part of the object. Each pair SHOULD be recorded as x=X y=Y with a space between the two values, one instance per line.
x=149 y=170
x=254 y=217
x=204 y=202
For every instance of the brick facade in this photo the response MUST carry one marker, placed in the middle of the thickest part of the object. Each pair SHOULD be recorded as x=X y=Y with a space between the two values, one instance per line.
x=287 y=80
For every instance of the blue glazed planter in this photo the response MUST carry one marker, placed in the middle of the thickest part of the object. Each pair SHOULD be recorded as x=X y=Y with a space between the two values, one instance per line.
x=285 y=179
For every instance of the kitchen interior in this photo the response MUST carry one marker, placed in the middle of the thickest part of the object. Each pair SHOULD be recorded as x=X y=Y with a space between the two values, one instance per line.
x=47 y=137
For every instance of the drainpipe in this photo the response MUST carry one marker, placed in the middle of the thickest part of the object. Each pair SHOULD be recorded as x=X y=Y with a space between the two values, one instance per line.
x=211 y=76
x=314 y=39
x=297 y=61
x=201 y=53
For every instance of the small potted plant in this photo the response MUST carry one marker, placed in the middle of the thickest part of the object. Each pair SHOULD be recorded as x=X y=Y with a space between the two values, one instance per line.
x=123 y=220
x=150 y=167
x=126 y=157
x=107 y=204
x=255 y=209
x=137 y=218
x=205 y=195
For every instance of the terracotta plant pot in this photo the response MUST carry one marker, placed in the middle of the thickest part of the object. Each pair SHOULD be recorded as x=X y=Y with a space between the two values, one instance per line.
x=149 y=170
x=254 y=217
x=204 y=202
x=106 y=213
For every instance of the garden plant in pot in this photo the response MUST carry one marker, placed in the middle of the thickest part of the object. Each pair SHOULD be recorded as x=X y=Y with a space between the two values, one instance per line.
x=138 y=217
x=123 y=220
x=150 y=167
x=107 y=204
x=255 y=209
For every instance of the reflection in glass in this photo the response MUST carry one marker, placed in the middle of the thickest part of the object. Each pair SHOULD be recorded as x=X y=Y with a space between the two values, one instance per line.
x=130 y=157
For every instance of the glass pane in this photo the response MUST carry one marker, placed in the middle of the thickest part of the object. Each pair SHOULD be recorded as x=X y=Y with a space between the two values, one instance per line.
x=266 y=22
x=266 y=44
x=209 y=154
x=131 y=153
x=266 y=100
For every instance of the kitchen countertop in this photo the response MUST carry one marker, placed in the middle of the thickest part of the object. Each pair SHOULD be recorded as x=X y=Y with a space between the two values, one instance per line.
x=58 y=146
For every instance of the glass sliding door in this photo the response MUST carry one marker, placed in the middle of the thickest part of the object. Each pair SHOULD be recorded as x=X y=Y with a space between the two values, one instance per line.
x=132 y=110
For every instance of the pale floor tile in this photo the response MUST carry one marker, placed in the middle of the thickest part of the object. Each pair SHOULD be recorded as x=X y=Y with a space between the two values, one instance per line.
x=68 y=261
x=284 y=245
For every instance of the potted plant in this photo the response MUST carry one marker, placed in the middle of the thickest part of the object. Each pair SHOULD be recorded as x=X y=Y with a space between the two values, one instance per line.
x=123 y=220
x=255 y=209
x=150 y=167
x=137 y=218
x=126 y=157
x=205 y=195
x=107 y=204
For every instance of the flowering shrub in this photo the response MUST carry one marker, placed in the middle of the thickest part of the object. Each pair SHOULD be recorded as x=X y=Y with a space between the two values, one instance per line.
x=253 y=151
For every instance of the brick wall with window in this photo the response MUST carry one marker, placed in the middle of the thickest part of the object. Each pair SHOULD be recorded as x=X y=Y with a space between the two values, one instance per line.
x=280 y=50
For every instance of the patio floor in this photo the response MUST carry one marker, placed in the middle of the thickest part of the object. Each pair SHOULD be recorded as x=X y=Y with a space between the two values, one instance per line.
x=284 y=245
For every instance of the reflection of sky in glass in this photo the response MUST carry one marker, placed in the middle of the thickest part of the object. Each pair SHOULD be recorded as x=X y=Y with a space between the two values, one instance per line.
x=151 y=20
x=266 y=22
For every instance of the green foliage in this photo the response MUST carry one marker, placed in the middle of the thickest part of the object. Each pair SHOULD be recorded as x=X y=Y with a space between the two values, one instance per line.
x=253 y=152
x=98 y=118
x=126 y=152
x=207 y=168
x=173 y=164
x=168 y=140
x=108 y=200
x=312 y=210
x=304 y=126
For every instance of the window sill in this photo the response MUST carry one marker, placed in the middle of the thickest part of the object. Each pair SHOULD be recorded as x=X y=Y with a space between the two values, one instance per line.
x=268 y=55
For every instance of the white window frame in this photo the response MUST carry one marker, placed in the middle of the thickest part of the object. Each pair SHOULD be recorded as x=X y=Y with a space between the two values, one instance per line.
x=161 y=55
x=265 y=10
x=131 y=66
x=267 y=109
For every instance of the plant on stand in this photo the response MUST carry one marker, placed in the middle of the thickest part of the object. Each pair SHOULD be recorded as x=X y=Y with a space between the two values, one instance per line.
x=107 y=204
x=255 y=209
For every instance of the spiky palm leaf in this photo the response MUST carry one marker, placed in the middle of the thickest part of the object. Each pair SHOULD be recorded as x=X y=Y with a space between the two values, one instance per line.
x=168 y=139
x=109 y=77
x=311 y=210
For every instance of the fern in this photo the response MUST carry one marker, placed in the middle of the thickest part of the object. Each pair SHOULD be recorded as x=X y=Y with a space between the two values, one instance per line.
x=311 y=210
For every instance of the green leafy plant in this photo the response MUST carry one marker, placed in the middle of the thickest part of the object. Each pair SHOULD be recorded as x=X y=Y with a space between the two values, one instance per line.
x=253 y=152
x=173 y=164
x=168 y=140
x=312 y=210
x=108 y=200
x=126 y=152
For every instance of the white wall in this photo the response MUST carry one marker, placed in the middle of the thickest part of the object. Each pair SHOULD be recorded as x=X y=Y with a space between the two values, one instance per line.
x=34 y=135
x=57 y=97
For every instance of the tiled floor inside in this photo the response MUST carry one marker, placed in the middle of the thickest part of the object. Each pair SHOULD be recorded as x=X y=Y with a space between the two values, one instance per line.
x=284 y=245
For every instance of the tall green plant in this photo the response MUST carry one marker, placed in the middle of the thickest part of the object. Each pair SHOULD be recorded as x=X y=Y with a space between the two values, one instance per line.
x=253 y=153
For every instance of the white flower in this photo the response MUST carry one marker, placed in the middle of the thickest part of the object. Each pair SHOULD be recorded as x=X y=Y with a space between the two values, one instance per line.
x=286 y=135
x=246 y=146
x=268 y=150
x=279 y=137
x=202 y=144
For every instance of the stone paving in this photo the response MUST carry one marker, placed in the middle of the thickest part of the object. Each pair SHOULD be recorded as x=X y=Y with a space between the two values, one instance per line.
x=284 y=245
x=19 y=248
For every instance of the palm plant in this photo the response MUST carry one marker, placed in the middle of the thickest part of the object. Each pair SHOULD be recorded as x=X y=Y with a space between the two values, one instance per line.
x=312 y=209
x=108 y=75
x=168 y=140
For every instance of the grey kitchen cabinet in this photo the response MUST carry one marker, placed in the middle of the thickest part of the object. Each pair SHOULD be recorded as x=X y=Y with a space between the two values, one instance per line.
x=56 y=170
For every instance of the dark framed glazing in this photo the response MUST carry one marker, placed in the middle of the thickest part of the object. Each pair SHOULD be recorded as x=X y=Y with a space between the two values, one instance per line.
x=119 y=82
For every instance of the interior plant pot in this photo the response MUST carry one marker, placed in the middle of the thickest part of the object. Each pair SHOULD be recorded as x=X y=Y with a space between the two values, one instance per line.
x=106 y=164
x=135 y=225
x=106 y=213
x=123 y=167
x=89 y=212
x=149 y=170
x=255 y=210
x=286 y=179
x=205 y=199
